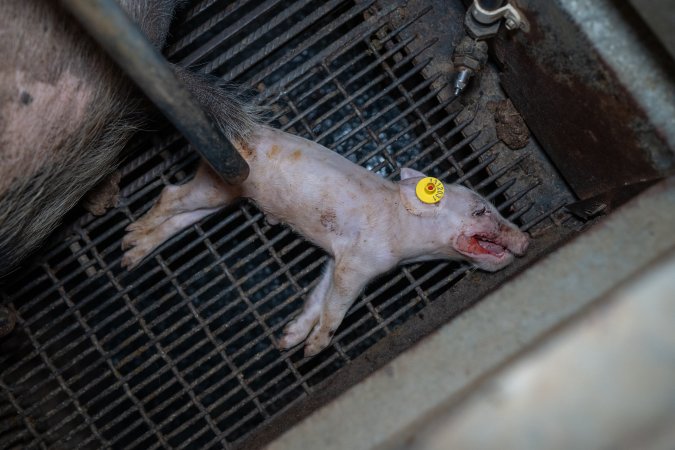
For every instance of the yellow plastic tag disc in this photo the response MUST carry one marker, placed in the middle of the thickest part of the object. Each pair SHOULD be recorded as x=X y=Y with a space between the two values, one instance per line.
x=430 y=190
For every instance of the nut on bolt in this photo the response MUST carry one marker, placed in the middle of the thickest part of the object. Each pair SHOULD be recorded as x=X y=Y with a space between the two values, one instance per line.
x=469 y=58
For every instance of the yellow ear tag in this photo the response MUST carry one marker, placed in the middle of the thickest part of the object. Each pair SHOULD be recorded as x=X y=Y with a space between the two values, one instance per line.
x=430 y=190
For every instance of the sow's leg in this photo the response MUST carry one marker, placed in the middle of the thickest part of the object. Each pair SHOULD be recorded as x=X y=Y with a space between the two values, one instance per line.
x=65 y=114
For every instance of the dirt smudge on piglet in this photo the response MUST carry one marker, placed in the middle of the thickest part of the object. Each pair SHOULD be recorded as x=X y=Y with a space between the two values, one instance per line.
x=296 y=155
x=273 y=151
x=329 y=220
x=342 y=274
x=245 y=150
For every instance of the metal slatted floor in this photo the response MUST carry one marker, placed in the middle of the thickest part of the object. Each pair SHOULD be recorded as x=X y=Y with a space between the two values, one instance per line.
x=181 y=352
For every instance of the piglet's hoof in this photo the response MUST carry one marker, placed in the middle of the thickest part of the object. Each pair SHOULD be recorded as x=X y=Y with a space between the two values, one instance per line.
x=294 y=333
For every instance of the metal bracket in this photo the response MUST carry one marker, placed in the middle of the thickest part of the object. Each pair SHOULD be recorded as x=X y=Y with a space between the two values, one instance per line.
x=481 y=23
x=514 y=18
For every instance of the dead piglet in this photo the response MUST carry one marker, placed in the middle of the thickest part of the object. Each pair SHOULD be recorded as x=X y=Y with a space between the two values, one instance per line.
x=367 y=225
x=462 y=226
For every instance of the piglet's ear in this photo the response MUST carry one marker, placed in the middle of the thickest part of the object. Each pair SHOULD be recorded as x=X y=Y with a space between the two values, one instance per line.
x=407 y=172
x=411 y=202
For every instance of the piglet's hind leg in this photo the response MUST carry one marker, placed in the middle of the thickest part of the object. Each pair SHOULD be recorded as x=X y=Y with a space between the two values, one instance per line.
x=178 y=207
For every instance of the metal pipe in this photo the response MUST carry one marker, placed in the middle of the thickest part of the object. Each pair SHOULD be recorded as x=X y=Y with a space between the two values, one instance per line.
x=112 y=28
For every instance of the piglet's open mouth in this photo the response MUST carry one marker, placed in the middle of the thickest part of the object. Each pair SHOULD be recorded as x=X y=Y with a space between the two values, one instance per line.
x=480 y=245
x=484 y=246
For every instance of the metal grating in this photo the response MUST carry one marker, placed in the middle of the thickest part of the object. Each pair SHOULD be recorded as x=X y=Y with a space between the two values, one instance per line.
x=182 y=351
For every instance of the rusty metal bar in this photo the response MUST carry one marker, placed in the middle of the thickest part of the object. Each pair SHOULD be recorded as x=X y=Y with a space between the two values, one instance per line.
x=112 y=28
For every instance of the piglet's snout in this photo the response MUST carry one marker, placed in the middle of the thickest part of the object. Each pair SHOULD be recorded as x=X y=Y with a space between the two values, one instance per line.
x=515 y=240
x=518 y=242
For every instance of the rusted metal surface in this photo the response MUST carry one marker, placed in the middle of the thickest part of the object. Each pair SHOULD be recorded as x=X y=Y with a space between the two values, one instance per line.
x=590 y=125
x=445 y=26
x=182 y=351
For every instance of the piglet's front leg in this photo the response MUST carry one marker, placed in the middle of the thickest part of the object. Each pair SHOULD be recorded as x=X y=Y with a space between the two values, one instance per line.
x=328 y=303
x=299 y=328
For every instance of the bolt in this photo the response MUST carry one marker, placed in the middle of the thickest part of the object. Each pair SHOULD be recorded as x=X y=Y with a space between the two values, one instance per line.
x=511 y=24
